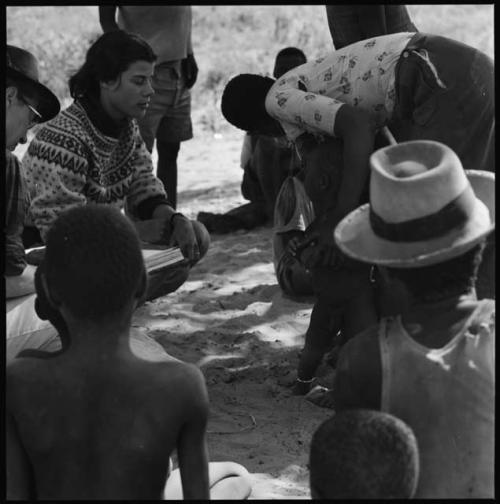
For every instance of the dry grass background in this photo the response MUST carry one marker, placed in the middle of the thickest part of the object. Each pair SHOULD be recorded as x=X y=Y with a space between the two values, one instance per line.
x=227 y=40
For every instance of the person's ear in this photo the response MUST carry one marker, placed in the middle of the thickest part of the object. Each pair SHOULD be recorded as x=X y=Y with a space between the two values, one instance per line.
x=110 y=85
x=11 y=93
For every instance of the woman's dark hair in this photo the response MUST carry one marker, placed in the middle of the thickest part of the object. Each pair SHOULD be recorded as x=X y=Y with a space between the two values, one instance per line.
x=109 y=56
x=432 y=283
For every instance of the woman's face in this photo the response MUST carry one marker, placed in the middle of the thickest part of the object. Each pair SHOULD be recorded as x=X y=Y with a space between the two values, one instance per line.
x=130 y=93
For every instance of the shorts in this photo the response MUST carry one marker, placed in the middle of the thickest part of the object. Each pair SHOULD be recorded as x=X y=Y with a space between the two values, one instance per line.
x=445 y=92
x=168 y=117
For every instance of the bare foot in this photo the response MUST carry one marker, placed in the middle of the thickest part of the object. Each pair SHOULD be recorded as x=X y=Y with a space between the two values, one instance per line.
x=321 y=396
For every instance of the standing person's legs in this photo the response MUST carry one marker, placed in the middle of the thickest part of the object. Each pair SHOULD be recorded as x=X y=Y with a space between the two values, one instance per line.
x=168 y=120
x=166 y=170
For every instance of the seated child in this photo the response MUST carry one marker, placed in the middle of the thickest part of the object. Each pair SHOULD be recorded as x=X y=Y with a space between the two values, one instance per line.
x=345 y=303
x=363 y=454
x=433 y=365
x=266 y=162
x=100 y=418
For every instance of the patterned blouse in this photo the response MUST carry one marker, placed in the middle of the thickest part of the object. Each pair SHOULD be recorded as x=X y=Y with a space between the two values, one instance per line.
x=308 y=97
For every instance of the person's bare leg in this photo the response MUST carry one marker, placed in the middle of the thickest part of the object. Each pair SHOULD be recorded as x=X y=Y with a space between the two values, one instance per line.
x=167 y=168
x=359 y=314
x=324 y=325
x=227 y=480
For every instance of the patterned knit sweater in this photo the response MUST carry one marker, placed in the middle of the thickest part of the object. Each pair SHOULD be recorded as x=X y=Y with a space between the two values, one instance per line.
x=70 y=163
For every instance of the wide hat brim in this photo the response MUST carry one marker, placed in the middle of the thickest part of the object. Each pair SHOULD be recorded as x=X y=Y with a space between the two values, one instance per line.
x=48 y=103
x=356 y=238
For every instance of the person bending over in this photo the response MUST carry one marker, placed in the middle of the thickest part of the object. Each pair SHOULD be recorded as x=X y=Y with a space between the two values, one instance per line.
x=420 y=86
x=363 y=454
x=433 y=364
x=92 y=152
x=100 y=419
x=266 y=162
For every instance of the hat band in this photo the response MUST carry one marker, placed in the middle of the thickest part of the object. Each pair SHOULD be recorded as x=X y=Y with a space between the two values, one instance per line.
x=438 y=224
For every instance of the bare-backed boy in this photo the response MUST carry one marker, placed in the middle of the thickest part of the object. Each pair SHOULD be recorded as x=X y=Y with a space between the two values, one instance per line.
x=100 y=419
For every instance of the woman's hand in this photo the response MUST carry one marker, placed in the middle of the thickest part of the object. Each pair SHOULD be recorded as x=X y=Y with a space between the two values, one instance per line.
x=184 y=237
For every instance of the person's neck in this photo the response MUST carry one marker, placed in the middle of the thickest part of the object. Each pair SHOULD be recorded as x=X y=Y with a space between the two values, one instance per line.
x=435 y=323
x=114 y=114
x=103 y=116
x=103 y=338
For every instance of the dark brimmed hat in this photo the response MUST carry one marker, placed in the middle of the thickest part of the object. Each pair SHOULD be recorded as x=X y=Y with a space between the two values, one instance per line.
x=424 y=208
x=22 y=66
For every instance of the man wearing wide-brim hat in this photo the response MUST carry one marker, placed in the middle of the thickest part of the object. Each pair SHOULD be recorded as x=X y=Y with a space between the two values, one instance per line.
x=28 y=102
x=433 y=364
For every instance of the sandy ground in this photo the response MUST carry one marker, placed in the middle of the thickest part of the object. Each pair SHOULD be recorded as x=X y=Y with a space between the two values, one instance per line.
x=231 y=319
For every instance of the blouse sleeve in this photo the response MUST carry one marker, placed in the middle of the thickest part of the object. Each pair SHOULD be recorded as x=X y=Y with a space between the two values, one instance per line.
x=301 y=111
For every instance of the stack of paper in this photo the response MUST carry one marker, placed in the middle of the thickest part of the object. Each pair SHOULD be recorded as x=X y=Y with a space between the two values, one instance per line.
x=160 y=258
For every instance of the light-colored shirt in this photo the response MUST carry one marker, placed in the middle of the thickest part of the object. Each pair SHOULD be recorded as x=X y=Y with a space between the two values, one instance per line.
x=447 y=396
x=361 y=75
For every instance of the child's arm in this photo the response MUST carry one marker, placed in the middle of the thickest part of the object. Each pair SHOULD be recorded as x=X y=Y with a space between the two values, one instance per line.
x=191 y=445
x=20 y=485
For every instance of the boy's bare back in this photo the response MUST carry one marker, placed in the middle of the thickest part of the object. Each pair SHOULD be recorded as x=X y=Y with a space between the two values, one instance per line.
x=103 y=425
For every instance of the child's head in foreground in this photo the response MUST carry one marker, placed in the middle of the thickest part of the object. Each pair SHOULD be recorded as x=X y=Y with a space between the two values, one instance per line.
x=363 y=454
x=93 y=265
x=286 y=59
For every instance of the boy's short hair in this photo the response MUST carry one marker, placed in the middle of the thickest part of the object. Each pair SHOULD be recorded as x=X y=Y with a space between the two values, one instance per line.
x=93 y=261
x=363 y=454
x=286 y=59
x=243 y=100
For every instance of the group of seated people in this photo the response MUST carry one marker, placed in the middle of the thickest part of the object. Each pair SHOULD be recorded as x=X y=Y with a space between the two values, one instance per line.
x=402 y=275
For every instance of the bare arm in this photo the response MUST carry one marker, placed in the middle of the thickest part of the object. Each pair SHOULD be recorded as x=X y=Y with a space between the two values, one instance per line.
x=20 y=285
x=357 y=130
x=192 y=446
x=20 y=484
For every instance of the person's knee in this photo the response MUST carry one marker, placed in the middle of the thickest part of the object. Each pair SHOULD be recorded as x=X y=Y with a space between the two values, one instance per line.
x=202 y=237
x=165 y=281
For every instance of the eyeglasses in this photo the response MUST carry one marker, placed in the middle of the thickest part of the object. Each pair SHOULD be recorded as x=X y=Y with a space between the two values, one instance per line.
x=37 y=117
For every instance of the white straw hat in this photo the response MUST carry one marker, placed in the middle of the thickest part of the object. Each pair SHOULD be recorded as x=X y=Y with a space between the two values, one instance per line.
x=424 y=208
